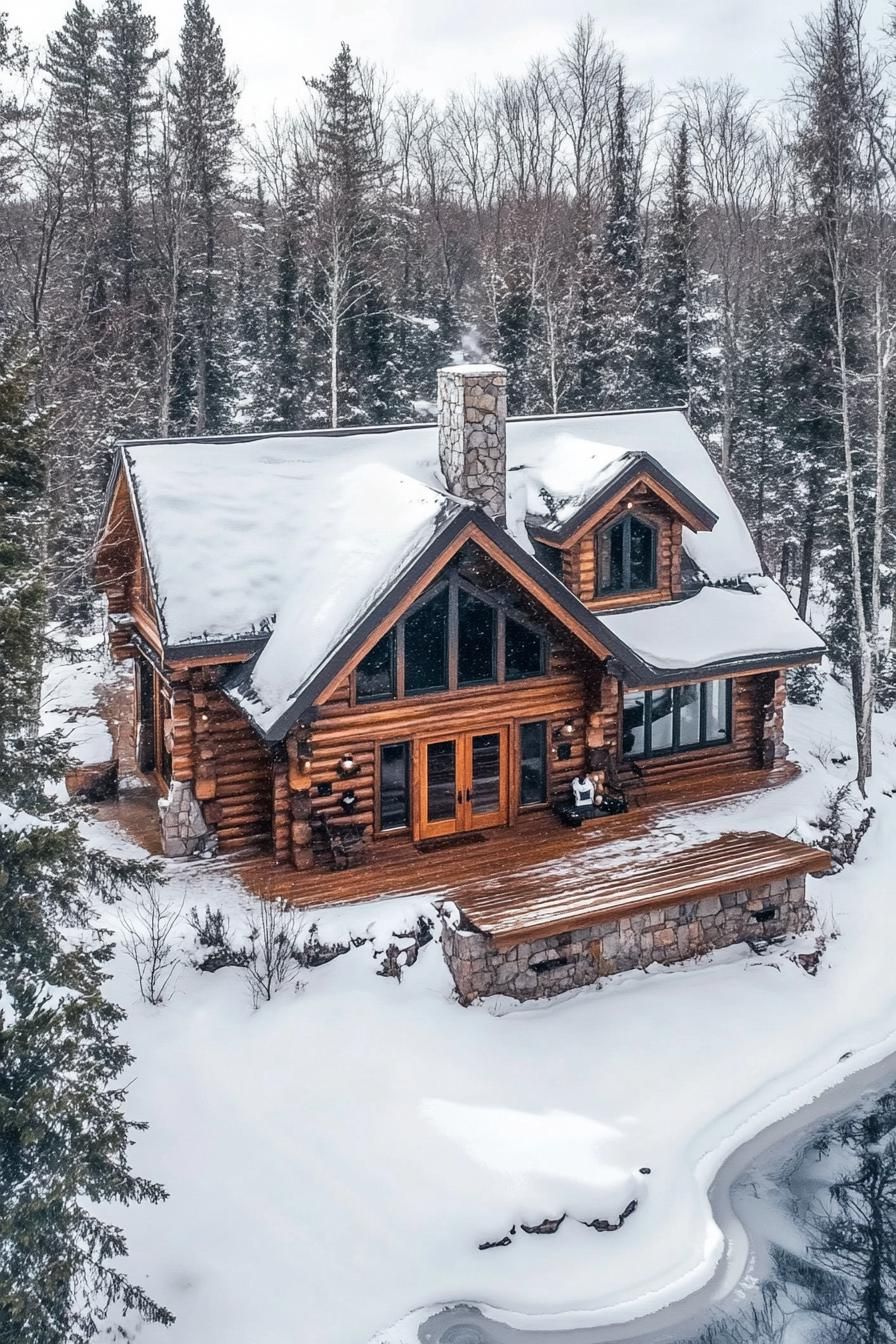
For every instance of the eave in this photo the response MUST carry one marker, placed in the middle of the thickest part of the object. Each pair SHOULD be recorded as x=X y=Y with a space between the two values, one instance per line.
x=471 y=525
x=641 y=469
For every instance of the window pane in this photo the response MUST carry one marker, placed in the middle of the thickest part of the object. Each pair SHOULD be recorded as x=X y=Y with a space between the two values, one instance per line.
x=393 y=786
x=612 y=558
x=440 y=780
x=375 y=677
x=717 y=696
x=660 y=721
x=633 y=724
x=475 y=640
x=523 y=651
x=426 y=646
x=486 y=772
x=689 y=715
x=533 y=763
x=642 y=554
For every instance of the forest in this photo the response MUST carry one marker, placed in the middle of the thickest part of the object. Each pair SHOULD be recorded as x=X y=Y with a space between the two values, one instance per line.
x=166 y=272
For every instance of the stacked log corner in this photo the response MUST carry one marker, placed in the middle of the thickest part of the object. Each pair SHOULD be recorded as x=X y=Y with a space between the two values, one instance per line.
x=216 y=751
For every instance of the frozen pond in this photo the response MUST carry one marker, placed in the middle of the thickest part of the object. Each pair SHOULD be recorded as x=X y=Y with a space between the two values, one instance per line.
x=809 y=1216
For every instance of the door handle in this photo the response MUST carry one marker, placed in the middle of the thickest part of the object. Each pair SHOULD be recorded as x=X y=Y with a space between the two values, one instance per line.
x=469 y=795
x=460 y=795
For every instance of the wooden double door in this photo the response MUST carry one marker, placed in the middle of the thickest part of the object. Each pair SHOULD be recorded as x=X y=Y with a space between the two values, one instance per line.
x=463 y=782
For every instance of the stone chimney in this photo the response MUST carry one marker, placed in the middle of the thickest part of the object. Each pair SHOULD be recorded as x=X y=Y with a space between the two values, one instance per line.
x=473 y=434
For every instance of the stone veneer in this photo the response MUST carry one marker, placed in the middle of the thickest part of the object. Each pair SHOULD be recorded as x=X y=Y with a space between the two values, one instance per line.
x=183 y=827
x=662 y=934
x=473 y=434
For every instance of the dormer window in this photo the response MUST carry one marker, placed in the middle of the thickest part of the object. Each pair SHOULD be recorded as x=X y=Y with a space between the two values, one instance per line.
x=626 y=556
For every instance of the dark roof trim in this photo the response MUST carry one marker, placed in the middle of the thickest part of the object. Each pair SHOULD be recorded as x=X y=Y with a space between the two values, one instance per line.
x=347 y=431
x=641 y=464
x=647 y=677
x=302 y=704
x=216 y=649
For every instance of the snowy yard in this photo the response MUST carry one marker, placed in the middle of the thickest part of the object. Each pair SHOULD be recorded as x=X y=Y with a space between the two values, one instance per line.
x=335 y=1156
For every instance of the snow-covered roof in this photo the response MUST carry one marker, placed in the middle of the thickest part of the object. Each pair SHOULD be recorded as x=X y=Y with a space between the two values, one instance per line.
x=715 y=626
x=302 y=534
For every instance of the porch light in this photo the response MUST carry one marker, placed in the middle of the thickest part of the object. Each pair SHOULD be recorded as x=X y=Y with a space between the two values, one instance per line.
x=568 y=728
x=347 y=765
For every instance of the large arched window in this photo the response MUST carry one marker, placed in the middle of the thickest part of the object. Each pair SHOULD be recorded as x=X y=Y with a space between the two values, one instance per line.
x=455 y=636
x=626 y=556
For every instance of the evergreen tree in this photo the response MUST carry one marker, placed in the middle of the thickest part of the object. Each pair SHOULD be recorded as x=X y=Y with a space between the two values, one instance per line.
x=674 y=324
x=64 y=1138
x=73 y=72
x=515 y=337
x=622 y=264
x=344 y=228
x=205 y=126
x=128 y=58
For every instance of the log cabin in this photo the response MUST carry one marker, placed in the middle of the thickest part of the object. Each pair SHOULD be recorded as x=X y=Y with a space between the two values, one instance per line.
x=350 y=639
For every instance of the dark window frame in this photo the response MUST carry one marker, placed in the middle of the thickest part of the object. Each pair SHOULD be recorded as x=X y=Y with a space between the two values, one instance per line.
x=545 y=726
x=602 y=583
x=396 y=633
x=677 y=746
x=408 y=746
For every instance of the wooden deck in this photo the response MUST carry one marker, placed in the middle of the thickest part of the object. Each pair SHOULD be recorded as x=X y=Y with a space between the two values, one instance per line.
x=524 y=876
x=536 y=854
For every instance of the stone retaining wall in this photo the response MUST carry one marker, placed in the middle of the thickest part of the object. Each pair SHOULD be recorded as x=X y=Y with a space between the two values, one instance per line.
x=547 y=966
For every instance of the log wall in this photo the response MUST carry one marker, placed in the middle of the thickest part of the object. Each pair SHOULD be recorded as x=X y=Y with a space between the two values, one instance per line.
x=341 y=726
x=216 y=750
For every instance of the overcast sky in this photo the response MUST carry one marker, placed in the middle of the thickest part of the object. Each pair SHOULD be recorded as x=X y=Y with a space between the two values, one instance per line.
x=434 y=45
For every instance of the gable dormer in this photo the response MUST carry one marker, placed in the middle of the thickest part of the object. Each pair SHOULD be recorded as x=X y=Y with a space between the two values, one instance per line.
x=622 y=545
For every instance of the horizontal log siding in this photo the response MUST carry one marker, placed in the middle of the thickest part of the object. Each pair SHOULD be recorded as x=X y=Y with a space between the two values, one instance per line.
x=361 y=729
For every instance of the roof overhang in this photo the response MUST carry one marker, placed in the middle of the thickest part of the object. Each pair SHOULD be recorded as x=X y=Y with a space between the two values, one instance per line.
x=472 y=525
x=641 y=469
x=637 y=675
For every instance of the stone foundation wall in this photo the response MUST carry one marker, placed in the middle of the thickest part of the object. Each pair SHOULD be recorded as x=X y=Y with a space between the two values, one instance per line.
x=548 y=966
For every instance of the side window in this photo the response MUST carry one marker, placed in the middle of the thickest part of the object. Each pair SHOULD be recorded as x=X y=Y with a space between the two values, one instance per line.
x=394 y=786
x=533 y=763
x=655 y=723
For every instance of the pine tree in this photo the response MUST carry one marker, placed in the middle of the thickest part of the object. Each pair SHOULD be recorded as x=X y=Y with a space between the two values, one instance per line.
x=343 y=225
x=128 y=58
x=64 y=1138
x=515 y=336
x=674 y=325
x=205 y=126
x=73 y=72
x=622 y=263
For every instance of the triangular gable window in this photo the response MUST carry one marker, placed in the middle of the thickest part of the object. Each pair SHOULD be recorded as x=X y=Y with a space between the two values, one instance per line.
x=456 y=636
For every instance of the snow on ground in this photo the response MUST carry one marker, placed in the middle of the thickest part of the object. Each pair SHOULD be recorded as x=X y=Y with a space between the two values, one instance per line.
x=334 y=1157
